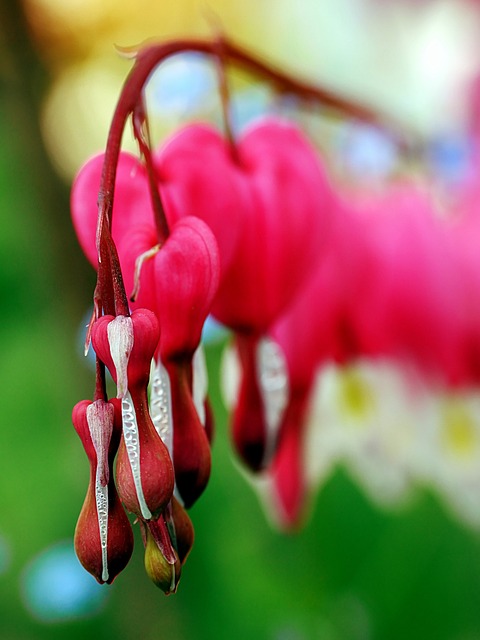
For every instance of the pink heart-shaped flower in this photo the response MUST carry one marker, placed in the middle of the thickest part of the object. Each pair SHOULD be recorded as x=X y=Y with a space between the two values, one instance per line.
x=268 y=207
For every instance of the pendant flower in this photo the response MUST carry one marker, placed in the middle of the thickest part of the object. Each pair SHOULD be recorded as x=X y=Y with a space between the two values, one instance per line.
x=205 y=224
x=103 y=536
x=282 y=202
x=126 y=345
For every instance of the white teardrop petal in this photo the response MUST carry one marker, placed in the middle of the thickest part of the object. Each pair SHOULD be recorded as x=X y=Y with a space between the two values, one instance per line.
x=120 y=339
x=200 y=383
x=272 y=377
x=161 y=406
x=100 y=417
x=132 y=443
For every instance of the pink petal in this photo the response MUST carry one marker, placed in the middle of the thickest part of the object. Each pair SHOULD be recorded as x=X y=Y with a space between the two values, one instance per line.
x=131 y=201
x=186 y=279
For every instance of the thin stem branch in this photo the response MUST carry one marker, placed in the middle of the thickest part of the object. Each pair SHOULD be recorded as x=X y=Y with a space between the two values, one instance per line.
x=142 y=134
x=224 y=51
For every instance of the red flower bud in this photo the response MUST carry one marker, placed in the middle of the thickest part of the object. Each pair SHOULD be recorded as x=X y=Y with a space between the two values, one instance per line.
x=103 y=535
x=162 y=563
x=144 y=470
x=145 y=477
x=184 y=532
x=126 y=345
x=168 y=541
x=191 y=448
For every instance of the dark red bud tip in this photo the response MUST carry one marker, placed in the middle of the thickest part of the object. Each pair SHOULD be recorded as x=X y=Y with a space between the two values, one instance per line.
x=184 y=531
x=249 y=429
x=191 y=448
x=103 y=561
x=209 y=421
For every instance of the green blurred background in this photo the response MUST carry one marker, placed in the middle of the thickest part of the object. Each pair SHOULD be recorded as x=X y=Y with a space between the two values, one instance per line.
x=355 y=572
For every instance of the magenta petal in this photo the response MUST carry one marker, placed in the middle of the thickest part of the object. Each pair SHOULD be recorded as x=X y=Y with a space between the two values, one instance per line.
x=414 y=299
x=249 y=429
x=268 y=207
x=139 y=240
x=186 y=279
x=131 y=201
x=322 y=323
x=290 y=490
x=282 y=228
x=147 y=331
x=198 y=177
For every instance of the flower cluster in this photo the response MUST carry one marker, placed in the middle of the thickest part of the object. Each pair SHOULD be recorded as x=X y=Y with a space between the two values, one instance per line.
x=307 y=276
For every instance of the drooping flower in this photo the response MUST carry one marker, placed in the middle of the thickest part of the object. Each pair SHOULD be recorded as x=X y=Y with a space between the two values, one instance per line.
x=103 y=535
x=126 y=345
x=168 y=542
x=177 y=280
x=384 y=290
x=270 y=208
x=283 y=204
x=268 y=202
x=206 y=223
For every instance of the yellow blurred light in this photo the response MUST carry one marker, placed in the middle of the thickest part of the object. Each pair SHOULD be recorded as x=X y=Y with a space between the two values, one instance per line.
x=78 y=112
x=356 y=400
x=458 y=429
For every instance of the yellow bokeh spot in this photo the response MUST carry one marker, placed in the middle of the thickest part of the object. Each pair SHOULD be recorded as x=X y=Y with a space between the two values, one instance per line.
x=355 y=397
x=458 y=428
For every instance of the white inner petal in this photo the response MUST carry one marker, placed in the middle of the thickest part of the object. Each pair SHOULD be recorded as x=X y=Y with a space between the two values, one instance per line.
x=120 y=339
x=132 y=443
x=161 y=406
x=200 y=382
x=272 y=377
x=230 y=376
x=100 y=424
x=101 y=499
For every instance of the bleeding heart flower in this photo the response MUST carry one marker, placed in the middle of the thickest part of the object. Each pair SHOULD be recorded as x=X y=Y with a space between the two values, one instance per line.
x=268 y=206
x=185 y=273
x=281 y=198
x=385 y=289
x=144 y=470
x=168 y=541
x=103 y=535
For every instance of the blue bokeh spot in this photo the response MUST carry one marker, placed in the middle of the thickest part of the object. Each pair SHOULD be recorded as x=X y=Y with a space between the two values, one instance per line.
x=55 y=587
x=182 y=83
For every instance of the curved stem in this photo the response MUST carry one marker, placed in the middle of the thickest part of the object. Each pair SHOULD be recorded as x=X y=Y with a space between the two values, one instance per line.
x=147 y=59
x=224 y=91
x=100 y=382
x=142 y=135
x=151 y=56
